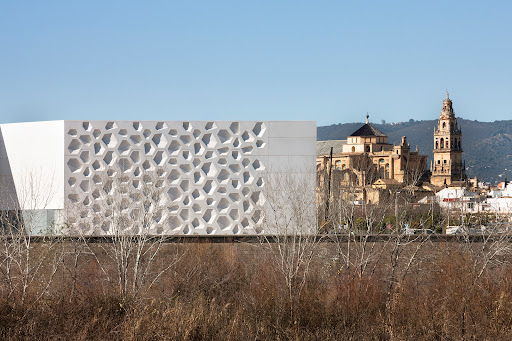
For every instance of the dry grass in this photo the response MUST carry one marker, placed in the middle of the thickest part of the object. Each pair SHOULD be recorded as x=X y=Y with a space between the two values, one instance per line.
x=233 y=292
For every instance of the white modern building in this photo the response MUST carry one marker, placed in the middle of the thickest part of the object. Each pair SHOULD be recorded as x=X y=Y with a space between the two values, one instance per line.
x=172 y=177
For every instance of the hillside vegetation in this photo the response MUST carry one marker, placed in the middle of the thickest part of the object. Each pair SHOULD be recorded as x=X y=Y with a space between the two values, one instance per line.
x=487 y=145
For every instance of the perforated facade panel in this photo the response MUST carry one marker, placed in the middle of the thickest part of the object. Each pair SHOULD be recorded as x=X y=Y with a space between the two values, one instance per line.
x=171 y=177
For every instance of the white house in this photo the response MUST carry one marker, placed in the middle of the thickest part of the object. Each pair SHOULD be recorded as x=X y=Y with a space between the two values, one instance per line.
x=500 y=201
x=459 y=198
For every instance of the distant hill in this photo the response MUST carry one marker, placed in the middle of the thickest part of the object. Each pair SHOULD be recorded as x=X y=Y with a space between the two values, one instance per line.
x=487 y=145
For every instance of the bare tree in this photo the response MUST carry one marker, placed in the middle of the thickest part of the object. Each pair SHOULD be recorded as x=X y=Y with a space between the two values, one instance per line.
x=290 y=228
x=24 y=213
x=130 y=212
x=414 y=171
x=362 y=252
x=356 y=223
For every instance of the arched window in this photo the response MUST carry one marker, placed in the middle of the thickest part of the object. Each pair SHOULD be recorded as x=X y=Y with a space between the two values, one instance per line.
x=387 y=171
x=444 y=125
x=459 y=144
x=442 y=143
x=447 y=144
x=437 y=144
x=367 y=149
x=353 y=149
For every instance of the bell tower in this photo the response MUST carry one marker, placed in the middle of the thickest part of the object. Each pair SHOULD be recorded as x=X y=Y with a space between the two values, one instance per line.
x=447 y=166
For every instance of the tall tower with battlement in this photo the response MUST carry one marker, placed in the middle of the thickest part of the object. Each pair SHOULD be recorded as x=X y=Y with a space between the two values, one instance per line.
x=447 y=167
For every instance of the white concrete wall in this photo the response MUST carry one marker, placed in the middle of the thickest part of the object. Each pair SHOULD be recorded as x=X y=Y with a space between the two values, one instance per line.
x=291 y=178
x=31 y=155
x=212 y=175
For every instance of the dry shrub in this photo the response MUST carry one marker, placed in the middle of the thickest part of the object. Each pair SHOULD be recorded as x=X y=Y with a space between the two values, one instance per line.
x=232 y=292
x=449 y=301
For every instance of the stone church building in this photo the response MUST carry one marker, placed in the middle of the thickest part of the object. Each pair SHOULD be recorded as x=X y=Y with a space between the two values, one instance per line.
x=367 y=159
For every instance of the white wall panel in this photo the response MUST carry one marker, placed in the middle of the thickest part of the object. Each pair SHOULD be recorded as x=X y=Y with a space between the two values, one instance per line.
x=292 y=129
x=292 y=146
x=36 y=162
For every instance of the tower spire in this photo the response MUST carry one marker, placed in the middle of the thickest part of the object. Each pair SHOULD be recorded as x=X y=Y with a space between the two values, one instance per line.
x=367 y=117
x=448 y=163
x=447 y=106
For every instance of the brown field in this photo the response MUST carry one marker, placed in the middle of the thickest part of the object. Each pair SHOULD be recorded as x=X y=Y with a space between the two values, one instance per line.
x=236 y=291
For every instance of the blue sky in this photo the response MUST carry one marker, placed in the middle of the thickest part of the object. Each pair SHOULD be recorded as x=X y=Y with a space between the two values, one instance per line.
x=330 y=61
